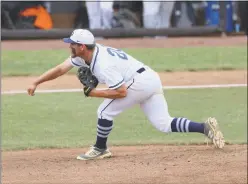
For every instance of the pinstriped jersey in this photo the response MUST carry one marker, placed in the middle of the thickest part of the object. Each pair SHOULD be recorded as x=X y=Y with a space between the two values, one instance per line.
x=111 y=66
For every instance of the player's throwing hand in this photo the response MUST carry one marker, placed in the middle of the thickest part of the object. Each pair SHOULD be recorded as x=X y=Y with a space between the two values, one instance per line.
x=31 y=89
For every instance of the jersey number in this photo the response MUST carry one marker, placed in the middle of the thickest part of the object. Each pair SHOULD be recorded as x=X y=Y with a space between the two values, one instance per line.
x=117 y=52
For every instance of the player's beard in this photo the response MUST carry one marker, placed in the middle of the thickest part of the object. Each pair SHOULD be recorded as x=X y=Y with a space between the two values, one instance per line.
x=73 y=53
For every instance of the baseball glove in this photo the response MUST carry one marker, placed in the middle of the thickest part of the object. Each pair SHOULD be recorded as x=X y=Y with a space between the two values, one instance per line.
x=87 y=79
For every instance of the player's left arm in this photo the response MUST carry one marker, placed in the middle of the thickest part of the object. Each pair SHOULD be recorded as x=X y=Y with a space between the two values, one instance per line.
x=120 y=92
x=115 y=82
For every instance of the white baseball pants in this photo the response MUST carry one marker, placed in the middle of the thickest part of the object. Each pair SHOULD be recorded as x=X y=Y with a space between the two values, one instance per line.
x=146 y=90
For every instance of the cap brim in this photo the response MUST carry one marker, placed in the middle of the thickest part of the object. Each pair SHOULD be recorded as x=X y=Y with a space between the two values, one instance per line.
x=68 y=40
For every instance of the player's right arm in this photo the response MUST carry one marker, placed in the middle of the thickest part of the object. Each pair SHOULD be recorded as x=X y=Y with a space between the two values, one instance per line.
x=51 y=74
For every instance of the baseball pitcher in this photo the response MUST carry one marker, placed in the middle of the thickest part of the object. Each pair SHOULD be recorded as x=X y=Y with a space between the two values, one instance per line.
x=129 y=82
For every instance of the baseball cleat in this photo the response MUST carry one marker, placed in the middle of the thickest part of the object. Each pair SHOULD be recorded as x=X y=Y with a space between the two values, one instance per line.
x=95 y=153
x=211 y=130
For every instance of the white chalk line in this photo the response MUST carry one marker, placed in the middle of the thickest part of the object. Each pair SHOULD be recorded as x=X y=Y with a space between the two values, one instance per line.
x=165 y=87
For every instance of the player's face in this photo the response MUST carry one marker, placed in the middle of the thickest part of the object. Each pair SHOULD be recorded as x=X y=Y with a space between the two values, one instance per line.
x=76 y=50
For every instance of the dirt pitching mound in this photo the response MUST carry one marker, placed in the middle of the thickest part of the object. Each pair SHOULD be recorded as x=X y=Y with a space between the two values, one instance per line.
x=134 y=164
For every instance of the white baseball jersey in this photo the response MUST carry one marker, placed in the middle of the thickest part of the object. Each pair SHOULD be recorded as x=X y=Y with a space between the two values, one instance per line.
x=111 y=66
x=114 y=68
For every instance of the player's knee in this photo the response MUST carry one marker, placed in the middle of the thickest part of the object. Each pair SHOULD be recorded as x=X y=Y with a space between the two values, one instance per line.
x=99 y=112
x=103 y=114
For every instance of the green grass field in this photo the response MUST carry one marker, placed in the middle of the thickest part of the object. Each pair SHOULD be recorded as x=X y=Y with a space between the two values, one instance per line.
x=69 y=119
x=161 y=59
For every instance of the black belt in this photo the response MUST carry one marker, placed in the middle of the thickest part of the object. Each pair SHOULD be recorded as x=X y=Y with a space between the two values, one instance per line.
x=141 y=70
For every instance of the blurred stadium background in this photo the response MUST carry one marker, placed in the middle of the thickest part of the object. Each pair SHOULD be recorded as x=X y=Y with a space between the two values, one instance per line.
x=116 y=18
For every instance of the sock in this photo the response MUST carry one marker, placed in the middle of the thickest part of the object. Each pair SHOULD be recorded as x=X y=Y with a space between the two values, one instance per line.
x=185 y=125
x=104 y=127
